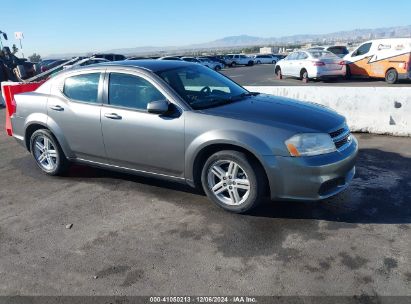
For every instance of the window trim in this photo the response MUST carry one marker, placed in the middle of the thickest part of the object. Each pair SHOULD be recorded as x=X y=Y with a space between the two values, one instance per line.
x=354 y=54
x=99 y=100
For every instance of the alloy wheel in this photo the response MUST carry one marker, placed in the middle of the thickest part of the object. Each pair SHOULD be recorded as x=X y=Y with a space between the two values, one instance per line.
x=228 y=182
x=45 y=153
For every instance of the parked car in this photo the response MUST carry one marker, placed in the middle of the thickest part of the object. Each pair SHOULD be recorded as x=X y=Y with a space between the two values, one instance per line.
x=183 y=122
x=85 y=62
x=382 y=58
x=210 y=64
x=52 y=64
x=265 y=58
x=137 y=58
x=311 y=64
x=191 y=59
x=46 y=62
x=280 y=56
x=218 y=58
x=238 y=59
x=110 y=57
x=170 y=58
x=338 y=50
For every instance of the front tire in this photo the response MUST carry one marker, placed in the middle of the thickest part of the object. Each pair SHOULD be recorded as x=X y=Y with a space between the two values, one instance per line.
x=304 y=75
x=391 y=76
x=233 y=181
x=47 y=153
x=278 y=73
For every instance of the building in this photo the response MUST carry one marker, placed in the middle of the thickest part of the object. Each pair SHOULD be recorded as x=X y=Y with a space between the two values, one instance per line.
x=266 y=50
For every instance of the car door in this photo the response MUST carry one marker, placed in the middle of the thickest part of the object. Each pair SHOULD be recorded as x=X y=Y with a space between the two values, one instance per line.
x=287 y=67
x=74 y=109
x=358 y=60
x=300 y=63
x=133 y=137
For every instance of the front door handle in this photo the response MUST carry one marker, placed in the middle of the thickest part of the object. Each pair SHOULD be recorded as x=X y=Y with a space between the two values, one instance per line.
x=112 y=116
x=57 y=108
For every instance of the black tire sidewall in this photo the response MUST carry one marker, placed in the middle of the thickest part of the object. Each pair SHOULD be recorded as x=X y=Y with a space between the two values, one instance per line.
x=395 y=74
x=61 y=158
x=254 y=176
x=278 y=72
x=304 y=72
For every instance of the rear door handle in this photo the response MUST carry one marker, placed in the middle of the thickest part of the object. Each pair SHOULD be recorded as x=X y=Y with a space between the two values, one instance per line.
x=57 y=108
x=112 y=116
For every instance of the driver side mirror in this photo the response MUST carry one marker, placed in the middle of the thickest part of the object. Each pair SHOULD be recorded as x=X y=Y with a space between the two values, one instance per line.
x=158 y=107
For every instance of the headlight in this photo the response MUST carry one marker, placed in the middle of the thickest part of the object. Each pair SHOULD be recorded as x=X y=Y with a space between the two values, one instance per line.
x=310 y=144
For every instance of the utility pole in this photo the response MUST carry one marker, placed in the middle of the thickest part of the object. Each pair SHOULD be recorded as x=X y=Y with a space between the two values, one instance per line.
x=19 y=36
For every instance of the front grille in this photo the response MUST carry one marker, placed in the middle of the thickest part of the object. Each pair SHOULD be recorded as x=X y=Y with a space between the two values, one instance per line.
x=337 y=133
x=342 y=142
x=341 y=137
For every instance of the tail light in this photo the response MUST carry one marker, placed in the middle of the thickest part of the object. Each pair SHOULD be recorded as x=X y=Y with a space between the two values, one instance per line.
x=342 y=63
x=405 y=65
x=318 y=63
x=13 y=107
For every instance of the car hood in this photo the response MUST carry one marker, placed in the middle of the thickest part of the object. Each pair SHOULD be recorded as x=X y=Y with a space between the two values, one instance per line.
x=279 y=111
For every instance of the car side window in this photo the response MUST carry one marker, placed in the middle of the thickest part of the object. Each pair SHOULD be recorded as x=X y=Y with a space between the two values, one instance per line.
x=362 y=50
x=292 y=56
x=131 y=91
x=82 y=87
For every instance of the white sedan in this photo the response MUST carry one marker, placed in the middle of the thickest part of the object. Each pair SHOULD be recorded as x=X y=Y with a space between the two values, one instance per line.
x=265 y=59
x=210 y=64
x=311 y=64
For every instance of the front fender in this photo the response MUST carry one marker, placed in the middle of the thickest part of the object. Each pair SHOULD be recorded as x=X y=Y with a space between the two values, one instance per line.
x=227 y=137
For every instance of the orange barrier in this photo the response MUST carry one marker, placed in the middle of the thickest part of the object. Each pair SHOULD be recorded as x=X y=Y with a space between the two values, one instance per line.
x=9 y=89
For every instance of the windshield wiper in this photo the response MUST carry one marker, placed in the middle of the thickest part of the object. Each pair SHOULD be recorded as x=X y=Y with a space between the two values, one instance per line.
x=222 y=101
x=243 y=95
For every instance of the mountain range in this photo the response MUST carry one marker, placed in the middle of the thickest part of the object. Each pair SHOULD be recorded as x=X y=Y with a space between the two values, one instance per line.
x=247 y=41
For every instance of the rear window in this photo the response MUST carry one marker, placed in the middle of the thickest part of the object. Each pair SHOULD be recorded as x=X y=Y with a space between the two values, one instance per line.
x=82 y=87
x=321 y=54
x=338 y=50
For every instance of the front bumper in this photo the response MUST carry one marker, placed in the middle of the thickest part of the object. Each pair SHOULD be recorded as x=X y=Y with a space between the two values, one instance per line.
x=404 y=76
x=311 y=178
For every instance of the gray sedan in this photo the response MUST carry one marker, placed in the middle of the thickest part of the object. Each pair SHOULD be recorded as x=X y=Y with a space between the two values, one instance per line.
x=184 y=122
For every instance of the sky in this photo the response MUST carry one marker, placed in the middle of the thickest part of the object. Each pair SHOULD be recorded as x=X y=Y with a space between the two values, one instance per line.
x=65 y=26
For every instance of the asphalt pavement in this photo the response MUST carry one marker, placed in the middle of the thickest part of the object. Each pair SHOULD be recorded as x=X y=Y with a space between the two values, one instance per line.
x=95 y=232
x=263 y=75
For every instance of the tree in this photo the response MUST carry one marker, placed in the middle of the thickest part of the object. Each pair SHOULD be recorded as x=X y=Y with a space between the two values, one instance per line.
x=35 y=58
x=14 y=49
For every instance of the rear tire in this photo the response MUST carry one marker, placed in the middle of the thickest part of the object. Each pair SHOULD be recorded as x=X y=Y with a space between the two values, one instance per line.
x=274 y=62
x=233 y=181
x=47 y=153
x=217 y=68
x=258 y=62
x=391 y=76
x=348 y=74
x=233 y=64
x=304 y=75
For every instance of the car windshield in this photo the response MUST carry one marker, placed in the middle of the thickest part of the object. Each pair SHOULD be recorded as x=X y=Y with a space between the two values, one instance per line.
x=203 y=88
x=321 y=54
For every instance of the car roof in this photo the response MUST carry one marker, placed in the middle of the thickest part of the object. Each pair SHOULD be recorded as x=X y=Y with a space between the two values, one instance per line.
x=153 y=65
